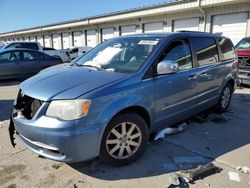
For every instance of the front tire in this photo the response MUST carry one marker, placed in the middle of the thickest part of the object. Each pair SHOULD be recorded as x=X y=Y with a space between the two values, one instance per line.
x=124 y=139
x=225 y=99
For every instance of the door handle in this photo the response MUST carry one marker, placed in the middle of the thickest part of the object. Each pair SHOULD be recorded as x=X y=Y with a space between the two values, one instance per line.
x=204 y=74
x=192 y=77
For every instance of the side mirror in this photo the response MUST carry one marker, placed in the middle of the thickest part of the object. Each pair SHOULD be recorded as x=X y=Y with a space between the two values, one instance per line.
x=167 y=67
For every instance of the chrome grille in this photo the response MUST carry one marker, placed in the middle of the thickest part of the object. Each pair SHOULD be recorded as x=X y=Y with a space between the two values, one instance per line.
x=244 y=62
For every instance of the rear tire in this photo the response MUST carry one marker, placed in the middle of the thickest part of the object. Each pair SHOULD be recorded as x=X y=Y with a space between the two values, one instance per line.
x=124 y=139
x=225 y=99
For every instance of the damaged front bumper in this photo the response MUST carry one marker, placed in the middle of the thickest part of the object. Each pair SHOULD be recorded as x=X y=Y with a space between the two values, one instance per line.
x=244 y=76
x=60 y=140
x=55 y=139
x=244 y=70
x=12 y=132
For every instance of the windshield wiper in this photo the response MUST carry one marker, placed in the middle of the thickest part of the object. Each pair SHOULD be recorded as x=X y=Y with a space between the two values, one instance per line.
x=92 y=66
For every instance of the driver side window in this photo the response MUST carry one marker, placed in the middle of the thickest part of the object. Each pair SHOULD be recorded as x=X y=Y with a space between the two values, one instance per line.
x=180 y=52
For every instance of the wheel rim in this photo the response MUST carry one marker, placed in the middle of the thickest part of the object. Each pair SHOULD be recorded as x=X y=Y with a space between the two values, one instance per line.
x=123 y=140
x=226 y=97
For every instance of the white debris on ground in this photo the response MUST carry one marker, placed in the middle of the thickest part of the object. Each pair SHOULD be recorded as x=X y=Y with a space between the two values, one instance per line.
x=234 y=176
x=243 y=169
x=4 y=123
x=170 y=130
x=174 y=179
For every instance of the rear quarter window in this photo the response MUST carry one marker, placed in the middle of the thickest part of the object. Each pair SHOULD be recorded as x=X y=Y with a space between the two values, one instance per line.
x=31 y=55
x=46 y=57
x=227 y=49
x=32 y=46
x=206 y=50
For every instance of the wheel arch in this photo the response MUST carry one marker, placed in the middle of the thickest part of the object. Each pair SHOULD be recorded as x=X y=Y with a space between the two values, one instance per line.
x=141 y=111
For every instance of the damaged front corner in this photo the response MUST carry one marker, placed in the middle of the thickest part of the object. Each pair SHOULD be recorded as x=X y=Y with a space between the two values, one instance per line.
x=12 y=132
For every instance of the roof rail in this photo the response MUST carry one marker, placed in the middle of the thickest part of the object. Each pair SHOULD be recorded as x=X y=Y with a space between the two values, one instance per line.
x=191 y=31
x=218 y=33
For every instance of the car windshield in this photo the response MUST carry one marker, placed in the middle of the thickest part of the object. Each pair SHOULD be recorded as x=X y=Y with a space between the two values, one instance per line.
x=244 y=44
x=125 y=54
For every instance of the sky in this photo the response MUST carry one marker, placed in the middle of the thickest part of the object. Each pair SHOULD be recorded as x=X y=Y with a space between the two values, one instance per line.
x=21 y=14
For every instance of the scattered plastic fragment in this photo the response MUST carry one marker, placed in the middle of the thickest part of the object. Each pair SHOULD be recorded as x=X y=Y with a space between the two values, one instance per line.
x=4 y=123
x=234 y=176
x=243 y=169
x=174 y=179
x=170 y=130
x=200 y=172
x=189 y=159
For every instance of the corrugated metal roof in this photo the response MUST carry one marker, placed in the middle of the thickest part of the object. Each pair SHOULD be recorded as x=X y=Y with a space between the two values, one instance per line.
x=168 y=3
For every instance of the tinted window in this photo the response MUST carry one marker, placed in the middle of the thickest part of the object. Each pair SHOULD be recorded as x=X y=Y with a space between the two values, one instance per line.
x=227 y=49
x=14 y=45
x=31 y=55
x=179 y=51
x=45 y=56
x=10 y=56
x=206 y=50
x=32 y=46
x=74 y=50
x=46 y=48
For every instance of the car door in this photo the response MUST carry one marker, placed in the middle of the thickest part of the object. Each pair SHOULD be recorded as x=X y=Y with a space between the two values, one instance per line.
x=210 y=71
x=10 y=64
x=31 y=62
x=176 y=93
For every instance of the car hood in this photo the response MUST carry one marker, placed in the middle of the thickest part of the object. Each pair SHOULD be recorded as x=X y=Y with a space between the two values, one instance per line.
x=67 y=82
x=243 y=52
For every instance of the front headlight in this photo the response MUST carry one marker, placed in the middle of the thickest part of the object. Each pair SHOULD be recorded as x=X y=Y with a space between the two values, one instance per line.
x=69 y=109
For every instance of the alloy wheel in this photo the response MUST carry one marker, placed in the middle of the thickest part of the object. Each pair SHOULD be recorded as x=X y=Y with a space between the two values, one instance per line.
x=123 y=140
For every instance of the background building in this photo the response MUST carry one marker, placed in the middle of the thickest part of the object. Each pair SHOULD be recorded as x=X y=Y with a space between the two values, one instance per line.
x=228 y=17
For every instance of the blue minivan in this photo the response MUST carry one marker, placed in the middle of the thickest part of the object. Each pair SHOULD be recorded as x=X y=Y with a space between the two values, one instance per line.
x=109 y=101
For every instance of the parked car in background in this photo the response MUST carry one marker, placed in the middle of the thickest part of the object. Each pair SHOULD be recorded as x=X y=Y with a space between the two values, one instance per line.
x=23 y=63
x=243 y=52
x=78 y=51
x=2 y=44
x=63 y=54
x=108 y=102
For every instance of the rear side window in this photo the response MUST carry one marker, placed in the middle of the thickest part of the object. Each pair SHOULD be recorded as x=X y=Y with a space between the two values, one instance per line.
x=10 y=56
x=179 y=51
x=45 y=56
x=46 y=48
x=14 y=45
x=32 y=46
x=227 y=49
x=74 y=50
x=206 y=50
x=30 y=55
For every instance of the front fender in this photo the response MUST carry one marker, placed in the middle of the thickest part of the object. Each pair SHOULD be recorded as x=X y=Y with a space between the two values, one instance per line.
x=114 y=108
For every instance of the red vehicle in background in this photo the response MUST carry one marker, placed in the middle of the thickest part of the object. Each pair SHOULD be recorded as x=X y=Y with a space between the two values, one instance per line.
x=243 y=52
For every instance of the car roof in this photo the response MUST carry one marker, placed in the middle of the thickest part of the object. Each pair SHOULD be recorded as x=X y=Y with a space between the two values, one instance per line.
x=22 y=42
x=179 y=33
x=18 y=49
